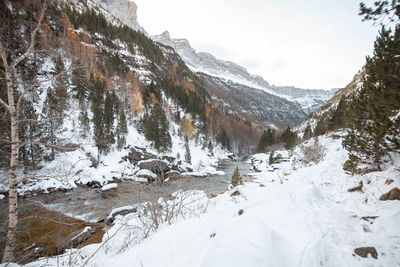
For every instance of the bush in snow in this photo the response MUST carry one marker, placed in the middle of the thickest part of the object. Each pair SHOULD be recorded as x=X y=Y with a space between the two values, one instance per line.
x=236 y=178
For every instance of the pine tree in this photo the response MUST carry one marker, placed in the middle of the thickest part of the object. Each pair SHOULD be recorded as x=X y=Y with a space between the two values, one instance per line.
x=188 y=157
x=372 y=114
x=108 y=121
x=266 y=140
x=84 y=122
x=79 y=84
x=236 y=178
x=338 y=117
x=30 y=130
x=224 y=140
x=50 y=114
x=307 y=132
x=156 y=128
x=289 y=138
x=61 y=85
x=271 y=158
x=122 y=130
x=210 y=148
x=97 y=96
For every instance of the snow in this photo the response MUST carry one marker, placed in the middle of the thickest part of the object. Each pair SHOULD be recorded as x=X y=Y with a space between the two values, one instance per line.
x=302 y=216
x=2 y=196
x=146 y=173
x=109 y=186
x=116 y=210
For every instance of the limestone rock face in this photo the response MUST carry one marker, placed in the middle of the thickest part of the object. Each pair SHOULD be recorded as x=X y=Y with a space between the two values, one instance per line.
x=124 y=10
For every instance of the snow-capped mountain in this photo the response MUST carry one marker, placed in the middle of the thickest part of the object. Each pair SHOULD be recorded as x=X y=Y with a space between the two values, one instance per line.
x=309 y=99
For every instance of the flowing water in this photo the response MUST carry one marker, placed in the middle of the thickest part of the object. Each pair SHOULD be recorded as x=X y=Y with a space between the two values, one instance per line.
x=87 y=204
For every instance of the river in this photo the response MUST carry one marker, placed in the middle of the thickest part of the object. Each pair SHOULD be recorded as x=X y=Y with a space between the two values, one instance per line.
x=87 y=203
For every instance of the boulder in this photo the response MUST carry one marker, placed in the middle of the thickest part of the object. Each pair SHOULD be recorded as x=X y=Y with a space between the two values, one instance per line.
x=149 y=175
x=156 y=166
x=120 y=211
x=137 y=154
x=365 y=251
x=29 y=254
x=109 y=191
x=172 y=175
x=170 y=159
x=74 y=239
x=393 y=194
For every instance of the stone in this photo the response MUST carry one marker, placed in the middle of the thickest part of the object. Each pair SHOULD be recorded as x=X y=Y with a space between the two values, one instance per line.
x=30 y=254
x=109 y=191
x=393 y=194
x=240 y=212
x=235 y=193
x=357 y=188
x=365 y=251
x=154 y=165
x=74 y=239
x=123 y=212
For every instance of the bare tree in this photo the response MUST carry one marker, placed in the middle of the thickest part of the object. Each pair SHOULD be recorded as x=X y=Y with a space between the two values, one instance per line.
x=13 y=107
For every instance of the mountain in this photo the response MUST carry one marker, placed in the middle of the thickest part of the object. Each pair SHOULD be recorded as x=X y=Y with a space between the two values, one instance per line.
x=200 y=62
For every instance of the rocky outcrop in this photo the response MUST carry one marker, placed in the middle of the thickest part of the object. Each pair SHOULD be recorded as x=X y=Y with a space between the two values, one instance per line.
x=137 y=154
x=124 y=10
x=156 y=166
x=74 y=239
x=393 y=194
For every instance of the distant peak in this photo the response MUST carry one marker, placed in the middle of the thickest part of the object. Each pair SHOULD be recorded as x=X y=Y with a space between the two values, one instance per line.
x=165 y=35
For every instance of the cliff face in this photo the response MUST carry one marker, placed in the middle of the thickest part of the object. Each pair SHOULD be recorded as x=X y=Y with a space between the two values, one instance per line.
x=124 y=10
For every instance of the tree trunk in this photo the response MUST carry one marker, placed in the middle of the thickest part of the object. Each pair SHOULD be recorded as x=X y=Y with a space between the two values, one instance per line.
x=12 y=192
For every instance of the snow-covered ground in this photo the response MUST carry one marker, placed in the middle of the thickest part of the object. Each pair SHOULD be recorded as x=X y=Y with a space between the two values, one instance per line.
x=298 y=215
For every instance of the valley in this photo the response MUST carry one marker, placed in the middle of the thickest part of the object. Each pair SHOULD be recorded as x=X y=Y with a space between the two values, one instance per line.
x=123 y=148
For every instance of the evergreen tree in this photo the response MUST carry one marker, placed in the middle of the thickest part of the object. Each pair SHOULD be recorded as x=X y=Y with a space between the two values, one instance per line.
x=307 y=132
x=97 y=90
x=338 y=117
x=53 y=125
x=271 y=158
x=224 y=140
x=210 y=148
x=84 y=122
x=373 y=113
x=237 y=178
x=122 y=130
x=30 y=130
x=188 y=157
x=156 y=128
x=61 y=85
x=109 y=120
x=79 y=84
x=289 y=138
x=266 y=140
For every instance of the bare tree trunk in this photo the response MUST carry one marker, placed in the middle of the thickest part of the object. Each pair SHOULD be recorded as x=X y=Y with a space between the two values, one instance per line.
x=13 y=108
x=12 y=192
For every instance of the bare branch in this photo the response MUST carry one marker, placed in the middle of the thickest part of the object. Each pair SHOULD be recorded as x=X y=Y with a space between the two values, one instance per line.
x=62 y=148
x=2 y=140
x=33 y=37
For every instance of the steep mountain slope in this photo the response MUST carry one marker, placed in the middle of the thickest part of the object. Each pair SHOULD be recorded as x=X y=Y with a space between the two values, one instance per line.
x=229 y=71
x=264 y=107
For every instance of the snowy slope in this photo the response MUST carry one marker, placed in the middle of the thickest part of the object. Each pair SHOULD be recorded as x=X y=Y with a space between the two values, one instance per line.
x=299 y=215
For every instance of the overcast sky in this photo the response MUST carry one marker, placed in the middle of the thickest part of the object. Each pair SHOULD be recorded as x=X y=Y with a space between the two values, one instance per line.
x=317 y=44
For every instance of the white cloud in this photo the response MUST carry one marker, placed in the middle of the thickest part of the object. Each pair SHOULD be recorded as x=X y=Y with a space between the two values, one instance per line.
x=309 y=44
